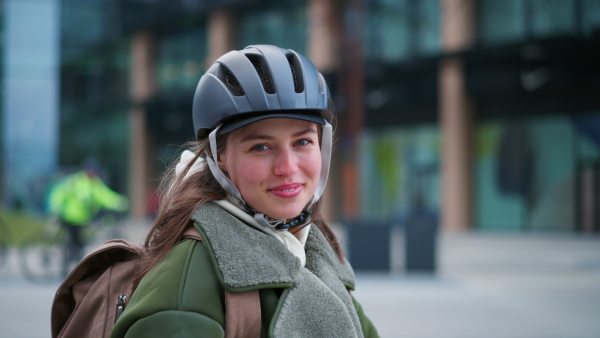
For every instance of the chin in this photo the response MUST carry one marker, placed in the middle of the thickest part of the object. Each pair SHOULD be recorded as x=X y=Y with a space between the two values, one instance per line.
x=283 y=210
x=286 y=214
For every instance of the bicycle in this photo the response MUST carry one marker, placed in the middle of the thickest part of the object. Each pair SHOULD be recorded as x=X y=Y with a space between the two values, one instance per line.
x=45 y=257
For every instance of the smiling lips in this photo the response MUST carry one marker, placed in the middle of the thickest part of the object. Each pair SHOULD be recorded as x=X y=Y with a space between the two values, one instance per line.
x=287 y=190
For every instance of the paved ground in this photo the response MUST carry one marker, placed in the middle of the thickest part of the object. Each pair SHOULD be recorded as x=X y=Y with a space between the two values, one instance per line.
x=521 y=286
x=487 y=285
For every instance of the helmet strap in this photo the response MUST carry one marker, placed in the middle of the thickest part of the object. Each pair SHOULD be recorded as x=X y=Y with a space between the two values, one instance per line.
x=326 y=148
x=213 y=165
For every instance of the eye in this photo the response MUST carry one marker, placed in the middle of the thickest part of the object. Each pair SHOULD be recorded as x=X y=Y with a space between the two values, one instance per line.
x=260 y=147
x=304 y=142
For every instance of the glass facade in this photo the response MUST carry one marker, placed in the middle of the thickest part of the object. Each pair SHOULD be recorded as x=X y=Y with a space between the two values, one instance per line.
x=501 y=21
x=95 y=90
x=30 y=62
x=85 y=25
x=590 y=19
x=400 y=30
x=399 y=171
x=180 y=58
x=553 y=17
x=180 y=63
x=517 y=20
x=286 y=27
x=528 y=171
x=95 y=85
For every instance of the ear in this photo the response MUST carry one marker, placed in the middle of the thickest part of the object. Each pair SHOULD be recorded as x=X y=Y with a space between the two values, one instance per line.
x=222 y=165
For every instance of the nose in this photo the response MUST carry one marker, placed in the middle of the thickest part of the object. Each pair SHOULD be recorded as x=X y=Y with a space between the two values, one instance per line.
x=285 y=163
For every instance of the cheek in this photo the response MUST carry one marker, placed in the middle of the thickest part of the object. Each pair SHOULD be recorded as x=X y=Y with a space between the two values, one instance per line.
x=247 y=173
x=239 y=169
x=312 y=165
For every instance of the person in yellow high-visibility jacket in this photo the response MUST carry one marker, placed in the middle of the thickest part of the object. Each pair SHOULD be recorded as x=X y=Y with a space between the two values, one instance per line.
x=76 y=199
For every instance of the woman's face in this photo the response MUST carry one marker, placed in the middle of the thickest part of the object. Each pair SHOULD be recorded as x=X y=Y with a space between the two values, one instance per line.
x=275 y=164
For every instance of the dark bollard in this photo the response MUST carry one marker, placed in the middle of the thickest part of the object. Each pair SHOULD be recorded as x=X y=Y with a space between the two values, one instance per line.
x=369 y=247
x=420 y=242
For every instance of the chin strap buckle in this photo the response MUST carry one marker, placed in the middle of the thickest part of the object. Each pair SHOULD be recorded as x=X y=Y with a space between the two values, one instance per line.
x=301 y=219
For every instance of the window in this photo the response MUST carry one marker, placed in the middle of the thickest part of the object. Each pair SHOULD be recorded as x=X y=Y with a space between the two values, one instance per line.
x=285 y=27
x=502 y=21
x=553 y=17
x=590 y=17
x=180 y=60
x=399 y=30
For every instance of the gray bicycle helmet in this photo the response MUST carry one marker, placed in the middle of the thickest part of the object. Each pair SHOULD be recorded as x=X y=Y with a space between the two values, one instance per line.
x=260 y=82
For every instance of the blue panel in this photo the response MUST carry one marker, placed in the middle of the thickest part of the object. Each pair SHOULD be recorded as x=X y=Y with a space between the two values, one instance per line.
x=31 y=105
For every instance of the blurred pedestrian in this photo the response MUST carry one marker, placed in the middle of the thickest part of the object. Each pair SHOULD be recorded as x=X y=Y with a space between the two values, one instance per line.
x=77 y=198
x=251 y=186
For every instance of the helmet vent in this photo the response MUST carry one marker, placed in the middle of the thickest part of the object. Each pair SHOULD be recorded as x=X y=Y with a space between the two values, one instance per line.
x=297 y=72
x=321 y=84
x=262 y=69
x=230 y=81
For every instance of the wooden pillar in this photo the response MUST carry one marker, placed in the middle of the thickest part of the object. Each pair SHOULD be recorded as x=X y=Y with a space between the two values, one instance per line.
x=221 y=34
x=324 y=41
x=323 y=36
x=142 y=79
x=352 y=88
x=456 y=116
x=335 y=43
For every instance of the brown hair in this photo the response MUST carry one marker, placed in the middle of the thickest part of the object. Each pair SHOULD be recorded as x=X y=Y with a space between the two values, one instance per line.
x=181 y=196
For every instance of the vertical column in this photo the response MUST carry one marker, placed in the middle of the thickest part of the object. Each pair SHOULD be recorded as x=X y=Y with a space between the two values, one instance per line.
x=221 y=34
x=456 y=110
x=352 y=87
x=335 y=26
x=324 y=38
x=142 y=87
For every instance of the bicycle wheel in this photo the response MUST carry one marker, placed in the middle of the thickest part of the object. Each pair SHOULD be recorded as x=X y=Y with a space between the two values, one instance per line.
x=44 y=262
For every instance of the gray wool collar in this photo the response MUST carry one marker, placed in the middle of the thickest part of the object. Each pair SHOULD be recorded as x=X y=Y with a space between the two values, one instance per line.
x=267 y=261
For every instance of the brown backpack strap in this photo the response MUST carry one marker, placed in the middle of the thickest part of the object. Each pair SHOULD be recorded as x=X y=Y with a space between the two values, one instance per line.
x=242 y=314
x=192 y=232
x=242 y=309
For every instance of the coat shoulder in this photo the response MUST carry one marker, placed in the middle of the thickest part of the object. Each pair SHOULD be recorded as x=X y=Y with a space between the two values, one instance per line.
x=186 y=274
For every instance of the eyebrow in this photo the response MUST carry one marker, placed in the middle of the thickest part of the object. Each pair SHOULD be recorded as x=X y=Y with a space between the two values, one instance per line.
x=254 y=137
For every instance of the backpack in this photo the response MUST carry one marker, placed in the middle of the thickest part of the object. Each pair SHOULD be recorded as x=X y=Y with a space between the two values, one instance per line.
x=92 y=297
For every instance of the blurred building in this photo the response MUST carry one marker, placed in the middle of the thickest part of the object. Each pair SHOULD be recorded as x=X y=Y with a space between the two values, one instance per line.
x=485 y=113
x=30 y=96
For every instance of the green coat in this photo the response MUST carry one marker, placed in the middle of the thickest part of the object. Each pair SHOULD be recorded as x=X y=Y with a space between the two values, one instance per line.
x=183 y=296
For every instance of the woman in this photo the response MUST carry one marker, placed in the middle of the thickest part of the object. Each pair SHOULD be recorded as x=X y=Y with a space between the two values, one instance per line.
x=251 y=187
